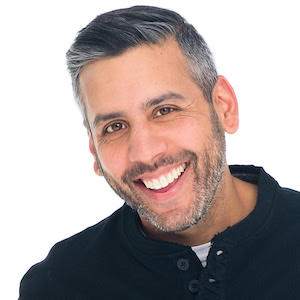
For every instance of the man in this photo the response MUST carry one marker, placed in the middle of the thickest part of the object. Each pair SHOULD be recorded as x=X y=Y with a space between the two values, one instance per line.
x=192 y=227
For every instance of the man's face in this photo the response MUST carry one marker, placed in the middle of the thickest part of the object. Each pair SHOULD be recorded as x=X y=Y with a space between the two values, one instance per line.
x=157 y=141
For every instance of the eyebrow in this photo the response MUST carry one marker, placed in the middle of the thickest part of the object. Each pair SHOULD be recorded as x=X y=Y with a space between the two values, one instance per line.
x=160 y=99
x=100 y=118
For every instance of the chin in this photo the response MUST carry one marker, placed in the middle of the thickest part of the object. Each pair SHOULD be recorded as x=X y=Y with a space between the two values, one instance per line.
x=175 y=220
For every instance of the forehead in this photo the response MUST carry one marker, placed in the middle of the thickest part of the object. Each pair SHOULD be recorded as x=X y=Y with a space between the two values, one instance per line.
x=133 y=77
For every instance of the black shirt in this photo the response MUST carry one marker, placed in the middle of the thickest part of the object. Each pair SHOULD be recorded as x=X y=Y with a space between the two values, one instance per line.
x=258 y=258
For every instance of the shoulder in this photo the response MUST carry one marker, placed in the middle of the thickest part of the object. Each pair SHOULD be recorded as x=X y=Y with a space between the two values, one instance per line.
x=289 y=193
x=90 y=240
x=288 y=198
x=286 y=209
x=69 y=258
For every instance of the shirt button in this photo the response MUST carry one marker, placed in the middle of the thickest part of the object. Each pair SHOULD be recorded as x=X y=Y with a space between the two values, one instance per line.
x=194 y=286
x=183 y=264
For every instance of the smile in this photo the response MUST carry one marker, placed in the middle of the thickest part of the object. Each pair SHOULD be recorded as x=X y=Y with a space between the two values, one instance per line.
x=165 y=179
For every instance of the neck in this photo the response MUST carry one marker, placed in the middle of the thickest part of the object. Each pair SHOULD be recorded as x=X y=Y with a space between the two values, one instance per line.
x=234 y=201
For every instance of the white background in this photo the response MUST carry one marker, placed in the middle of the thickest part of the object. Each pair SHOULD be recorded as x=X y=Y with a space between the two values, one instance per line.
x=48 y=188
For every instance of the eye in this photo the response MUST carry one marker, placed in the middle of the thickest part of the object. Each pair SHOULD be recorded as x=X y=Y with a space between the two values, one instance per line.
x=163 y=111
x=114 y=127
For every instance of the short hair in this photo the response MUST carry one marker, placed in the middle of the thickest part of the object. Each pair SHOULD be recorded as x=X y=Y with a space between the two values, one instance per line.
x=112 y=33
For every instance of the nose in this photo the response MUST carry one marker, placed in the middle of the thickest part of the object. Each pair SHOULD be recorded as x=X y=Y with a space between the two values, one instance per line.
x=146 y=144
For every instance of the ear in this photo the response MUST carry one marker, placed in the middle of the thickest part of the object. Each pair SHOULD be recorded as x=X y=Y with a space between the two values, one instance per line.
x=93 y=151
x=225 y=104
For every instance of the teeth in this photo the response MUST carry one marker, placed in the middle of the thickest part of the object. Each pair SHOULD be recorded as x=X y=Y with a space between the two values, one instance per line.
x=150 y=184
x=147 y=184
x=170 y=178
x=164 y=180
x=175 y=174
x=156 y=184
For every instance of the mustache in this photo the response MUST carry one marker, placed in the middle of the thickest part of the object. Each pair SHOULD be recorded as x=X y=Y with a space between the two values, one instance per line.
x=140 y=168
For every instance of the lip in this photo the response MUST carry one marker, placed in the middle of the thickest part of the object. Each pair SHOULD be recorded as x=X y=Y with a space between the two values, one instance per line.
x=158 y=173
x=169 y=192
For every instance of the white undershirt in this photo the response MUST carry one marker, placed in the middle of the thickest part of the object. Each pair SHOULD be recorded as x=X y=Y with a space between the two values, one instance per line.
x=202 y=252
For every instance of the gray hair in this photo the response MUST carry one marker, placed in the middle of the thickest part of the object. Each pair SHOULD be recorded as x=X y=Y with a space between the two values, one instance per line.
x=111 y=33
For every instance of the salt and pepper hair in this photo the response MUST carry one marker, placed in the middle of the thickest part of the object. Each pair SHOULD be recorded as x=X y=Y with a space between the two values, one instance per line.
x=111 y=33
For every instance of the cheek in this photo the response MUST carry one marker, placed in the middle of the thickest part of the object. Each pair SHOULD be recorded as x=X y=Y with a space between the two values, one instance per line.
x=188 y=133
x=113 y=160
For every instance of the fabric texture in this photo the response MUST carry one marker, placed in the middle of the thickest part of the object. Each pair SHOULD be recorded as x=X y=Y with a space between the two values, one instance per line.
x=256 y=259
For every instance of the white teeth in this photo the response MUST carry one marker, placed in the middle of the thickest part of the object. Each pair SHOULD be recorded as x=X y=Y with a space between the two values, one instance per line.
x=150 y=184
x=170 y=178
x=175 y=174
x=147 y=184
x=156 y=184
x=165 y=180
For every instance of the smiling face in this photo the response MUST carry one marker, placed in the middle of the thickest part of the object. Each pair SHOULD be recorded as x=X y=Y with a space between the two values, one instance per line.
x=154 y=137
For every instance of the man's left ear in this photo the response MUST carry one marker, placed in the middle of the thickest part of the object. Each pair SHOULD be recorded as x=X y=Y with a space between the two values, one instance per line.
x=225 y=104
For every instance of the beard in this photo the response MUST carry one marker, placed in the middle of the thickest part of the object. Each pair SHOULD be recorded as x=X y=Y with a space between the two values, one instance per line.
x=206 y=182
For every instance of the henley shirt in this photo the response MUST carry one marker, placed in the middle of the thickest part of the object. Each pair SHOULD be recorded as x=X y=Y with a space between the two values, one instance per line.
x=255 y=259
